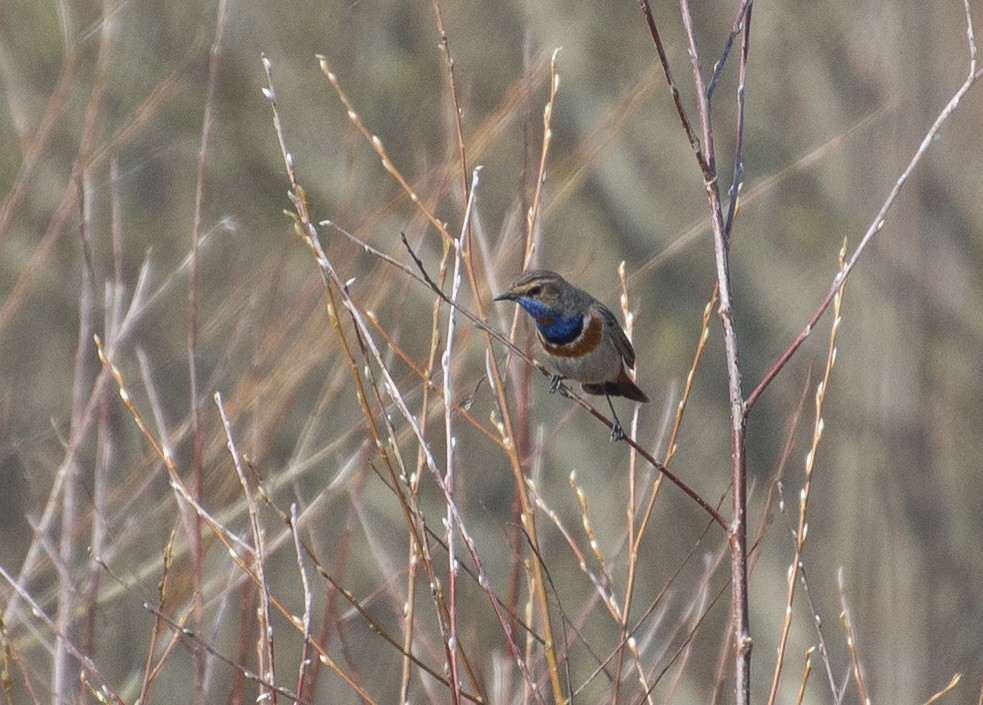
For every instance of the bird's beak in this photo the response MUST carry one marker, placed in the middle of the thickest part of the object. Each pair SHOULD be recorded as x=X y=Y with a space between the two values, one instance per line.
x=507 y=296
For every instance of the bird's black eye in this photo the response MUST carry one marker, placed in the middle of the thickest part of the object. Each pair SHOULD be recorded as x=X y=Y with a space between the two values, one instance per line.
x=535 y=291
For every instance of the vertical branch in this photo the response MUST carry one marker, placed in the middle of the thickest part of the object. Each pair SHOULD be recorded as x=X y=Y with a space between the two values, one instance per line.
x=676 y=99
x=417 y=548
x=195 y=538
x=451 y=442
x=64 y=682
x=522 y=507
x=417 y=551
x=305 y=649
x=625 y=612
x=447 y=358
x=445 y=48
x=735 y=185
x=705 y=157
x=801 y=530
x=64 y=678
x=532 y=217
x=265 y=646
x=721 y=245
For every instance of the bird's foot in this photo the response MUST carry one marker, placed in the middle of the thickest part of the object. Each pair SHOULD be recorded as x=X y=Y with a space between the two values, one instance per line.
x=555 y=382
x=617 y=432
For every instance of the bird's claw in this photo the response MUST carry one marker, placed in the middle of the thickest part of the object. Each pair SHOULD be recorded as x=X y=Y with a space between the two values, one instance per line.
x=555 y=382
x=618 y=433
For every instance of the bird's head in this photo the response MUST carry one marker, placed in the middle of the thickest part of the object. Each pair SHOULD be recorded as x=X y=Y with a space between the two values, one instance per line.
x=543 y=294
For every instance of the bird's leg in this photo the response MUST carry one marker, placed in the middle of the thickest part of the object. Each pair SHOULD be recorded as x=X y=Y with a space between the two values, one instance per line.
x=617 y=432
x=555 y=382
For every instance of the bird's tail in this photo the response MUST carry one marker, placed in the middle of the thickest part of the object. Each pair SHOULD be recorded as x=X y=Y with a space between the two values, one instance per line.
x=621 y=387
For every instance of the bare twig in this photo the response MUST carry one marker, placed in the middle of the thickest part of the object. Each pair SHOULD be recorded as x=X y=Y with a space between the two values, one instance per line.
x=468 y=191
x=879 y=220
x=195 y=402
x=451 y=445
x=445 y=48
x=84 y=662
x=191 y=635
x=801 y=530
x=733 y=193
x=676 y=98
x=532 y=217
x=678 y=423
x=232 y=543
x=305 y=649
x=266 y=652
x=150 y=670
x=846 y=621
x=806 y=670
x=743 y=13
x=377 y=146
x=953 y=682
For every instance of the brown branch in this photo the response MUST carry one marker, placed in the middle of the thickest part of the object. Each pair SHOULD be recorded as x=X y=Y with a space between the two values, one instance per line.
x=664 y=60
x=197 y=440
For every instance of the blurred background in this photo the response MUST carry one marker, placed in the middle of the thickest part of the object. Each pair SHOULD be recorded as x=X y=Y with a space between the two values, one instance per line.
x=104 y=107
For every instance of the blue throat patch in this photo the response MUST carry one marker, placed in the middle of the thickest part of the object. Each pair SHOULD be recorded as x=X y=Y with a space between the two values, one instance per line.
x=555 y=328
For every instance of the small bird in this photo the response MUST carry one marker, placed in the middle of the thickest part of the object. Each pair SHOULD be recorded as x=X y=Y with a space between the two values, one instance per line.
x=582 y=339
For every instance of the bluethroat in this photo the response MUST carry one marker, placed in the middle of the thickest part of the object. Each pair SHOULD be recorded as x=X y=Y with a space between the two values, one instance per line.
x=582 y=339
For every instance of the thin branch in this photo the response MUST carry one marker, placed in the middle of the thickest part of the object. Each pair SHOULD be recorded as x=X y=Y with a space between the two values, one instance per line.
x=266 y=651
x=743 y=13
x=84 y=661
x=451 y=445
x=195 y=402
x=532 y=217
x=676 y=98
x=879 y=220
x=376 y=144
x=801 y=530
x=846 y=621
x=190 y=634
x=445 y=48
x=733 y=193
x=305 y=649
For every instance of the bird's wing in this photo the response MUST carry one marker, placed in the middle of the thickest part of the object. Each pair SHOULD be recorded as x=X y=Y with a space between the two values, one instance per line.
x=621 y=341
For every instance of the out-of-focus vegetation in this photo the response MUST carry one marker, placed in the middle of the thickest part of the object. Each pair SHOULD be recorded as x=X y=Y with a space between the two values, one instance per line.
x=102 y=127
